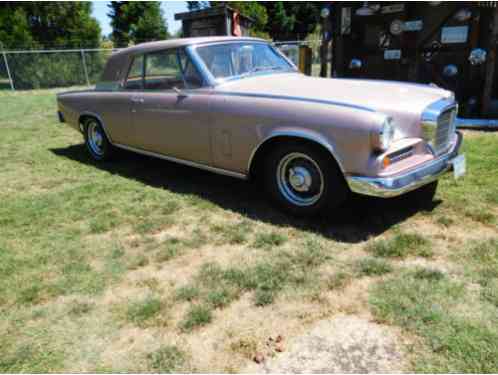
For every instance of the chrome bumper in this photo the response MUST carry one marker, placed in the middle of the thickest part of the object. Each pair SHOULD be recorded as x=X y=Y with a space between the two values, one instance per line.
x=397 y=185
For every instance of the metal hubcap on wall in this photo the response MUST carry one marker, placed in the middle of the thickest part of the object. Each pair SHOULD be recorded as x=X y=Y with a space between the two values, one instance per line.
x=299 y=179
x=95 y=138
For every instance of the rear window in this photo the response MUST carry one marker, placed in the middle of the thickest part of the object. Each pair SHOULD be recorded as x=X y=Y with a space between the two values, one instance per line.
x=162 y=71
x=134 y=79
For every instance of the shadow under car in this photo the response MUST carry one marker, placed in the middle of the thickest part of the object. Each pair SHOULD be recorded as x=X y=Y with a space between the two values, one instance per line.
x=356 y=220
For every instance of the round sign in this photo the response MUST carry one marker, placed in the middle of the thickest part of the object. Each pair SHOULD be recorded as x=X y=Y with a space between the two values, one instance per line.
x=396 y=27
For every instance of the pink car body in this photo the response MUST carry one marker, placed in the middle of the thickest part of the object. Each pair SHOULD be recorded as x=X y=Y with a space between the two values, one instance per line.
x=228 y=126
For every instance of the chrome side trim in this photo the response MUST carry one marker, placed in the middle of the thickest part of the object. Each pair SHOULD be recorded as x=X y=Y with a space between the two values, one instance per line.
x=386 y=187
x=184 y=162
x=295 y=98
x=296 y=134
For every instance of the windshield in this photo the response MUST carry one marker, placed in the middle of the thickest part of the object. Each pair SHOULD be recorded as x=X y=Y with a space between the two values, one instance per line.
x=226 y=61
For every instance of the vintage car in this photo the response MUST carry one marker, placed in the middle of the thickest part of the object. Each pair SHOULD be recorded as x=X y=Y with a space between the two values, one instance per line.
x=239 y=107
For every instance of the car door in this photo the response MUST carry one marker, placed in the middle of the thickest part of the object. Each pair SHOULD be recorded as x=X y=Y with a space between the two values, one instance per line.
x=115 y=106
x=171 y=115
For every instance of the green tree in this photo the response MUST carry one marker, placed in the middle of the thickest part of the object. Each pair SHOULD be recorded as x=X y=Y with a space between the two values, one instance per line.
x=48 y=24
x=291 y=20
x=120 y=24
x=137 y=22
x=196 y=5
x=148 y=21
x=14 y=28
x=251 y=9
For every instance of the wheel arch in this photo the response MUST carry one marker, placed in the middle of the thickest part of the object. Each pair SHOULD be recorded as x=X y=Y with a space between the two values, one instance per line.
x=269 y=142
x=86 y=115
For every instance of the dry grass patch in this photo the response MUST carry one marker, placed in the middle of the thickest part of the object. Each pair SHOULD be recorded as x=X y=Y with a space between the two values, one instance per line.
x=343 y=344
x=106 y=285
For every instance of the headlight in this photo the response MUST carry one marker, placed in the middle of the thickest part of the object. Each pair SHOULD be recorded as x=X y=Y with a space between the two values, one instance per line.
x=386 y=134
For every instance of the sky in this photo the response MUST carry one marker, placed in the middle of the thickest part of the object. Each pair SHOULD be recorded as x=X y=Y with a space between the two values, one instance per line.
x=169 y=8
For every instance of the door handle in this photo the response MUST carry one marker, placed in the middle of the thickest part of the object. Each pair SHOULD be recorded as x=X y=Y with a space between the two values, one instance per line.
x=136 y=99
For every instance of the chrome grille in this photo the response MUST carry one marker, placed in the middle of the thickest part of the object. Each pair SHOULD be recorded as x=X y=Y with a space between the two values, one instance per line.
x=445 y=128
x=401 y=154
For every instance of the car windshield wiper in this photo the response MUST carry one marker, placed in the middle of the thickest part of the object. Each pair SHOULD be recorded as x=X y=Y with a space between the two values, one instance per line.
x=256 y=70
x=265 y=68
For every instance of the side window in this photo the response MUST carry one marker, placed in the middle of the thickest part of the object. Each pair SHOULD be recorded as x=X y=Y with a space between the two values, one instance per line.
x=134 y=80
x=190 y=73
x=162 y=71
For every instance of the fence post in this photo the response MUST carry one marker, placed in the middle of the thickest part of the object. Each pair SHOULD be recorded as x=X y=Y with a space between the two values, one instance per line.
x=8 y=70
x=84 y=67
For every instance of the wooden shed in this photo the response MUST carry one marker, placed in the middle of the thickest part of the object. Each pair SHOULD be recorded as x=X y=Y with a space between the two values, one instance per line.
x=221 y=20
x=450 y=44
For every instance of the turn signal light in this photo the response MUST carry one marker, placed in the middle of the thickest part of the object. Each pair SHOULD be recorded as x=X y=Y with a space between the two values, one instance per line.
x=386 y=162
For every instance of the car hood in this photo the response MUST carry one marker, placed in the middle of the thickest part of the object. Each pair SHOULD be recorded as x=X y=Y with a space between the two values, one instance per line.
x=403 y=101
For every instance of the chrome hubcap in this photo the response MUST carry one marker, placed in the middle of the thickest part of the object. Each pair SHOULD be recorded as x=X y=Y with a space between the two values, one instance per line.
x=95 y=138
x=300 y=179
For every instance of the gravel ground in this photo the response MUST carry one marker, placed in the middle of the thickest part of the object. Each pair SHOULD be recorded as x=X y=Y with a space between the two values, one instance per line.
x=345 y=344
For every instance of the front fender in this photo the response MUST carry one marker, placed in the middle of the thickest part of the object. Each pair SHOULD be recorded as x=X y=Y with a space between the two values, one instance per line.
x=295 y=132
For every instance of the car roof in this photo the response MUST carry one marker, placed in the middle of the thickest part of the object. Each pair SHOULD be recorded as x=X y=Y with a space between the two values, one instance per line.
x=175 y=43
x=115 y=69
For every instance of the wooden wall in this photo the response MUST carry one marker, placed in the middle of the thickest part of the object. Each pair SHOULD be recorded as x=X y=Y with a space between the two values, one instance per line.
x=416 y=42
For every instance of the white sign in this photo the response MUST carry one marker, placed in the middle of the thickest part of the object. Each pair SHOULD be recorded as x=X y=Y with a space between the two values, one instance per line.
x=396 y=8
x=392 y=54
x=413 y=25
x=454 y=34
x=459 y=167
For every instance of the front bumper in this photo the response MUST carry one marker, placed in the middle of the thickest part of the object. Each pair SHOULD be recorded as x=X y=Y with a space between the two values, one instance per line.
x=386 y=187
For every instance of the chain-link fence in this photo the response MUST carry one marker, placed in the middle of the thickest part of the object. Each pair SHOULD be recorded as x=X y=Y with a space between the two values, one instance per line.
x=291 y=50
x=4 y=74
x=36 y=69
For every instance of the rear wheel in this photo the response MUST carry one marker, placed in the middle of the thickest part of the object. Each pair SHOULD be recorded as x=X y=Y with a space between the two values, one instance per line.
x=304 y=180
x=96 y=141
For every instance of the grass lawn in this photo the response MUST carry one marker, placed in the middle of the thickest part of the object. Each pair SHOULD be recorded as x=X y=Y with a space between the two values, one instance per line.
x=143 y=265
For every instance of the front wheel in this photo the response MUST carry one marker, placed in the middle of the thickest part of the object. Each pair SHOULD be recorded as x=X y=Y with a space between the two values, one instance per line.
x=96 y=140
x=304 y=180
